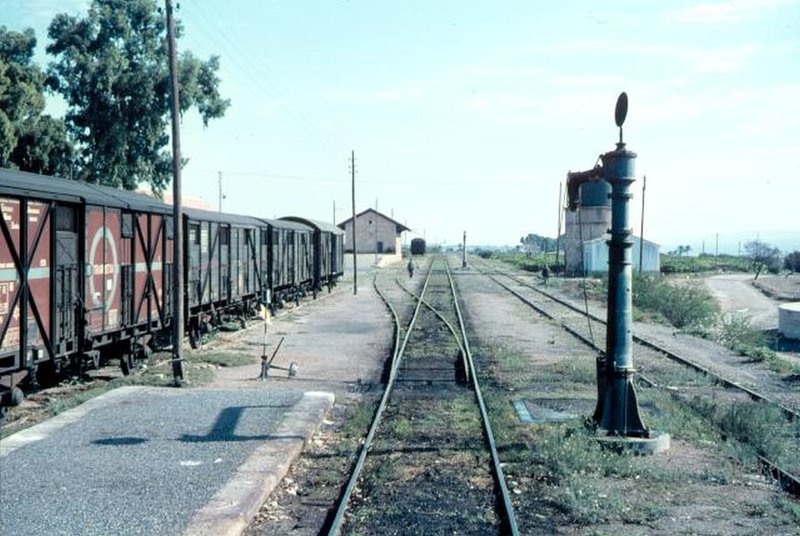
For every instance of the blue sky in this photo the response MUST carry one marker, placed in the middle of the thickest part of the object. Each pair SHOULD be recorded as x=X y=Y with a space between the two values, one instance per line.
x=467 y=115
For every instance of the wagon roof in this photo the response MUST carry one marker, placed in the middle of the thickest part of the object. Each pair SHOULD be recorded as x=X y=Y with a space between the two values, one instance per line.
x=22 y=183
x=222 y=217
x=286 y=224
x=315 y=224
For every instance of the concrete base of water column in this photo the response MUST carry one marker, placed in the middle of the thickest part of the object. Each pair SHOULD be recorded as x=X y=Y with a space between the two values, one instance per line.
x=789 y=320
x=657 y=442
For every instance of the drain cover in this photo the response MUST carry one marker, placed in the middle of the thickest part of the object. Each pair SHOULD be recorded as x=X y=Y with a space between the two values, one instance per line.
x=531 y=412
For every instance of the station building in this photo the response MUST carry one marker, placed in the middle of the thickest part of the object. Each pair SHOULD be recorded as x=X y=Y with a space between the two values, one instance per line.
x=375 y=233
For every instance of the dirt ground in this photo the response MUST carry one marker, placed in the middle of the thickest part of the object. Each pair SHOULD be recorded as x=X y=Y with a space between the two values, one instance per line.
x=736 y=294
x=780 y=287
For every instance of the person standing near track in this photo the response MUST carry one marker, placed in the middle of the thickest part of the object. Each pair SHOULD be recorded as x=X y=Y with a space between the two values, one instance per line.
x=410 y=268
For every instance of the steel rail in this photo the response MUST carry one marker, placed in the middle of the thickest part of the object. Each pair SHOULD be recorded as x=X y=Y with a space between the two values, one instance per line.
x=787 y=481
x=788 y=412
x=511 y=520
x=336 y=523
x=446 y=323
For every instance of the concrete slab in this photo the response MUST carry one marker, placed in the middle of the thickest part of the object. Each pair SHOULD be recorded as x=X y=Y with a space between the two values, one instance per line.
x=154 y=461
x=553 y=410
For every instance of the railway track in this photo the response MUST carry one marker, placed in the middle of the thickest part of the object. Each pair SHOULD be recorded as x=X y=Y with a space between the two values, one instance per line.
x=429 y=462
x=590 y=329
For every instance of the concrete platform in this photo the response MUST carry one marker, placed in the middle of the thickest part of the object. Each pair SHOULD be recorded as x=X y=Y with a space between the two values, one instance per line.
x=154 y=461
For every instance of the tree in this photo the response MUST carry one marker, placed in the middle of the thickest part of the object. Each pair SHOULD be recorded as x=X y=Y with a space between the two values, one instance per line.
x=681 y=250
x=792 y=261
x=762 y=255
x=111 y=67
x=535 y=242
x=28 y=140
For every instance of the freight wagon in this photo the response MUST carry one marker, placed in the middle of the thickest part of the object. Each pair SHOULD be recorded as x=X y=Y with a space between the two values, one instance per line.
x=86 y=272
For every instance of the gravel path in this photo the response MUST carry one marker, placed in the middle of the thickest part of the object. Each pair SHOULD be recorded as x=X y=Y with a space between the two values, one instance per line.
x=736 y=294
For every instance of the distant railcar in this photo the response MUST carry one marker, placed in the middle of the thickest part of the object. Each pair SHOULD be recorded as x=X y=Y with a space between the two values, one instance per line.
x=291 y=261
x=225 y=268
x=328 y=255
x=418 y=246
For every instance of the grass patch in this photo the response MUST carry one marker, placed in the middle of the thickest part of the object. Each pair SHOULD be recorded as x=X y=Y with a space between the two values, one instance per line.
x=222 y=359
x=465 y=419
x=736 y=333
x=58 y=404
x=788 y=506
x=529 y=263
x=575 y=369
x=761 y=427
x=680 y=264
x=358 y=420
x=403 y=428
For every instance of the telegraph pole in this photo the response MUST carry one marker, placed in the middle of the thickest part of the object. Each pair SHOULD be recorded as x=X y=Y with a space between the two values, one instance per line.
x=641 y=232
x=177 y=250
x=219 y=182
x=464 y=252
x=558 y=233
x=353 y=182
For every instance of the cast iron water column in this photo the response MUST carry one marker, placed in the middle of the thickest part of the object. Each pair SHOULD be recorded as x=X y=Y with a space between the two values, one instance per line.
x=617 y=411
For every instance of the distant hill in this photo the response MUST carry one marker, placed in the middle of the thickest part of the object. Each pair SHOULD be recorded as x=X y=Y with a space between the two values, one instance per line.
x=733 y=244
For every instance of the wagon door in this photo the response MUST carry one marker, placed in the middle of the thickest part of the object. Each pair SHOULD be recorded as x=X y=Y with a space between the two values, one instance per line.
x=250 y=262
x=67 y=292
x=103 y=256
x=291 y=258
x=237 y=281
x=127 y=272
x=193 y=265
x=225 y=262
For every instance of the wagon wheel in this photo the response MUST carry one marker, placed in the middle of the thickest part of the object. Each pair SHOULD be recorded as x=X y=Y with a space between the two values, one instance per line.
x=127 y=363
x=194 y=336
x=130 y=362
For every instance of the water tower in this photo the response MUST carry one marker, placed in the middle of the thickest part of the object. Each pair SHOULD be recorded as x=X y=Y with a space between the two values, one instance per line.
x=592 y=220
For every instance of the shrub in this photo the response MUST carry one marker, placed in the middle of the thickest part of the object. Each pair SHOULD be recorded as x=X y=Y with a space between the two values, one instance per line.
x=735 y=330
x=683 y=306
x=736 y=333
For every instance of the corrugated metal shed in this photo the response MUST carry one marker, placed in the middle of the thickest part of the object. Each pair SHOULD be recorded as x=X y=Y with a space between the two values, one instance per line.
x=595 y=256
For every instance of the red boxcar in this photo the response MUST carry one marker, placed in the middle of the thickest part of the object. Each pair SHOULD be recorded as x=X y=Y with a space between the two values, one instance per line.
x=84 y=275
